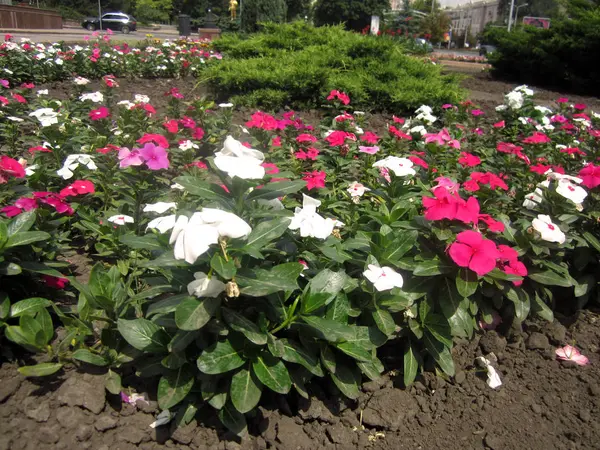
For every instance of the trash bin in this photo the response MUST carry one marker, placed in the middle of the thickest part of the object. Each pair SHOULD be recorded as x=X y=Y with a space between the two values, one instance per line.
x=185 y=28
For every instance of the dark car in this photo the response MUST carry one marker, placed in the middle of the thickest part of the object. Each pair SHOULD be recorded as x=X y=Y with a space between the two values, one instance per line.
x=486 y=49
x=116 y=21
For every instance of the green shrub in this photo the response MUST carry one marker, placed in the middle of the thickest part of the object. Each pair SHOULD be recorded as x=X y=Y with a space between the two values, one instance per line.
x=298 y=65
x=355 y=14
x=258 y=11
x=559 y=57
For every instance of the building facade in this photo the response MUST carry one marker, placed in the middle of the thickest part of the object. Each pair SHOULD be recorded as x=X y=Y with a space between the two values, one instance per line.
x=473 y=16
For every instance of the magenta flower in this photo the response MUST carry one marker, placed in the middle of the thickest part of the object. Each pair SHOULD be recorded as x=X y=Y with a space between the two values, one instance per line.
x=156 y=157
x=4 y=83
x=570 y=353
x=129 y=157
x=100 y=113
x=472 y=250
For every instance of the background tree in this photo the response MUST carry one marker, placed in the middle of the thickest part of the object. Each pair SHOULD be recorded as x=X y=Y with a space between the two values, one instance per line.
x=298 y=9
x=256 y=11
x=355 y=14
x=407 y=20
x=153 y=10
x=424 y=5
x=436 y=24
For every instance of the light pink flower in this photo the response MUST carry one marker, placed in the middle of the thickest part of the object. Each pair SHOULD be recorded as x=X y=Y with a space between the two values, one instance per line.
x=156 y=157
x=369 y=150
x=130 y=158
x=570 y=353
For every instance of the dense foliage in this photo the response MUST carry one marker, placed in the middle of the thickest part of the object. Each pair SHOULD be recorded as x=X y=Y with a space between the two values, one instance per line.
x=354 y=14
x=255 y=12
x=558 y=57
x=297 y=65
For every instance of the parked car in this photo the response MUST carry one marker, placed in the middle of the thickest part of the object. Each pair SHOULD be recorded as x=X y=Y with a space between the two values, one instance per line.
x=116 y=21
x=486 y=49
x=425 y=43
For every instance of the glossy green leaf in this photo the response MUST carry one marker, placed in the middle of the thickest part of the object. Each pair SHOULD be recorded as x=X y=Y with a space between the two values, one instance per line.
x=430 y=268
x=146 y=242
x=29 y=306
x=22 y=222
x=198 y=187
x=347 y=381
x=113 y=383
x=245 y=390
x=521 y=300
x=272 y=373
x=329 y=330
x=372 y=369
x=384 y=321
x=86 y=356
x=411 y=365
x=466 y=282
x=192 y=314
x=550 y=278
x=245 y=326
x=276 y=190
x=233 y=420
x=539 y=307
x=219 y=358
x=174 y=387
x=224 y=268
x=280 y=278
x=298 y=354
x=4 y=306
x=401 y=244
x=440 y=353
x=438 y=326
x=143 y=335
x=40 y=370
x=266 y=232
x=26 y=237
x=10 y=269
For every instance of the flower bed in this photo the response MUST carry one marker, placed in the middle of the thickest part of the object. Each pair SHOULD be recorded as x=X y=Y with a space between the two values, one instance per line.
x=236 y=260
x=26 y=61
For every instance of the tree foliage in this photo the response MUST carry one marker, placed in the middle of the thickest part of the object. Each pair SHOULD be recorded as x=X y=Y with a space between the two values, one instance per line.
x=436 y=24
x=153 y=10
x=354 y=14
x=297 y=9
x=258 y=11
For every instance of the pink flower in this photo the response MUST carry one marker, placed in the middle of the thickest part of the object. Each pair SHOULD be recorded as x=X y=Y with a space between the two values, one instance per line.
x=197 y=134
x=573 y=151
x=368 y=150
x=3 y=101
x=4 y=83
x=491 y=179
x=129 y=157
x=477 y=112
x=11 y=211
x=398 y=120
x=562 y=100
x=79 y=187
x=187 y=122
x=337 y=138
x=580 y=106
x=270 y=168
x=301 y=155
x=507 y=147
x=157 y=139
x=276 y=141
x=558 y=118
x=570 y=353
x=10 y=168
x=341 y=96
x=156 y=158
x=450 y=185
x=100 y=113
x=399 y=134
x=312 y=153
x=447 y=106
x=26 y=203
x=174 y=92
x=539 y=168
x=473 y=251
x=537 y=138
x=305 y=138
x=590 y=175
x=500 y=124
x=515 y=267
x=263 y=121
x=172 y=126
x=198 y=164
x=55 y=282
x=18 y=98
x=418 y=161
x=468 y=160
x=493 y=225
x=314 y=179
x=370 y=138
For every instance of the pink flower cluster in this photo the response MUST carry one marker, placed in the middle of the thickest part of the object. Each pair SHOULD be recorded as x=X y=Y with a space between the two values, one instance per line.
x=154 y=156
x=338 y=95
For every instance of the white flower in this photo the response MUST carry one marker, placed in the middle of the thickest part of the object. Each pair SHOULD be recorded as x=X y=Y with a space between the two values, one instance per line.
x=46 y=116
x=383 y=278
x=192 y=237
x=309 y=222
x=80 y=81
x=186 y=145
x=42 y=92
x=225 y=105
x=493 y=378
x=359 y=113
x=543 y=109
x=120 y=219
x=14 y=119
x=524 y=89
x=59 y=61
x=514 y=99
x=420 y=129
x=159 y=207
x=239 y=161
x=96 y=97
x=357 y=189
x=40 y=55
x=138 y=98
x=30 y=170
x=400 y=166
x=8 y=71
x=501 y=108
x=164 y=417
x=570 y=190
x=178 y=187
x=595 y=115
x=426 y=117
x=162 y=224
x=548 y=230
x=533 y=199
x=72 y=162
x=359 y=130
x=127 y=104
x=524 y=120
x=203 y=286
x=424 y=109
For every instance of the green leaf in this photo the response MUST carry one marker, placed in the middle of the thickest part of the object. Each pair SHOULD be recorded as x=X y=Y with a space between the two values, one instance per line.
x=328 y=281
x=40 y=370
x=192 y=314
x=384 y=321
x=372 y=369
x=143 y=335
x=174 y=387
x=219 y=358
x=521 y=300
x=276 y=190
x=550 y=278
x=4 y=306
x=29 y=306
x=22 y=222
x=245 y=390
x=327 y=357
x=233 y=420
x=280 y=278
x=166 y=305
x=248 y=328
x=455 y=309
x=298 y=354
x=411 y=365
x=3 y=234
x=539 y=307
x=10 y=269
x=272 y=373
x=26 y=237
x=224 y=268
x=21 y=337
x=40 y=268
x=181 y=340
x=338 y=309
x=312 y=301
x=585 y=285
x=88 y=357
x=196 y=186
x=431 y=267
x=45 y=321
x=466 y=282
x=355 y=351
x=329 y=330
x=147 y=242
x=113 y=383
x=440 y=353
x=347 y=381
x=497 y=274
x=401 y=244
x=439 y=328
x=592 y=240
x=185 y=414
x=266 y=232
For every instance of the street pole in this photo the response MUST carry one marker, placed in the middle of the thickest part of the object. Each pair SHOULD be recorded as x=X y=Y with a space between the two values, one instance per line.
x=100 y=14
x=510 y=16
x=517 y=13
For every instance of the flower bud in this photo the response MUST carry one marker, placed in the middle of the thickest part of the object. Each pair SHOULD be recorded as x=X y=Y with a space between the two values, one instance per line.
x=336 y=233
x=232 y=289
x=530 y=230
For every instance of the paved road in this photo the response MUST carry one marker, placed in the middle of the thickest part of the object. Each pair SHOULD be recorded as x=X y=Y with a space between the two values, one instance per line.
x=78 y=36
x=457 y=52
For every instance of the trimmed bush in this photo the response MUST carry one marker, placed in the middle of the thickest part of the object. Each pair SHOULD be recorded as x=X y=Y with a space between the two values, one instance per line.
x=297 y=65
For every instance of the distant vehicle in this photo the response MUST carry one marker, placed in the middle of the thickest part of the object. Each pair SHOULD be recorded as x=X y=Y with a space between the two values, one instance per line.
x=116 y=21
x=485 y=50
x=425 y=43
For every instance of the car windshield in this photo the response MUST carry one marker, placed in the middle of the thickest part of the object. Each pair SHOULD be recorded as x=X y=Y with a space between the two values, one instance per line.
x=132 y=19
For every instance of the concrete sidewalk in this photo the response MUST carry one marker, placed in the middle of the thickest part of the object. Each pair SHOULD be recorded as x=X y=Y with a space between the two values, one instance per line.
x=82 y=31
